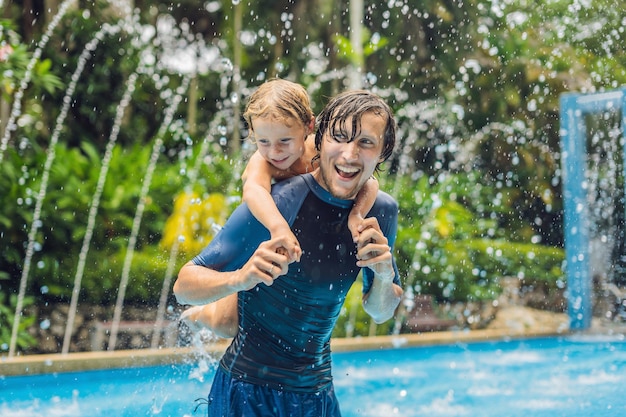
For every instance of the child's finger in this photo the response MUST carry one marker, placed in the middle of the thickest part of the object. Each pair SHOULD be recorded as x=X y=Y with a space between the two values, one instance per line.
x=297 y=253
x=293 y=252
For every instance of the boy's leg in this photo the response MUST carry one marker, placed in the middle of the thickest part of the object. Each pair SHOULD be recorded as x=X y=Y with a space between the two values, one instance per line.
x=220 y=317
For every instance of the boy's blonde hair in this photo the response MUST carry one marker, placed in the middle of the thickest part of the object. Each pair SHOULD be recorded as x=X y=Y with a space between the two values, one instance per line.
x=283 y=100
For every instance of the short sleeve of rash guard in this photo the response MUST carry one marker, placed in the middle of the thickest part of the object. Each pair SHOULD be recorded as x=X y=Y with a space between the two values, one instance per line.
x=243 y=233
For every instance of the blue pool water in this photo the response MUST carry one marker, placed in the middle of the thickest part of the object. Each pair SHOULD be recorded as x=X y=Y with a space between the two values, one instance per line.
x=584 y=376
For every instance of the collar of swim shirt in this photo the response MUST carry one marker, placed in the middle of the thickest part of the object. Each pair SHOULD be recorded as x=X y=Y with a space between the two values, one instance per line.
x=323 y=194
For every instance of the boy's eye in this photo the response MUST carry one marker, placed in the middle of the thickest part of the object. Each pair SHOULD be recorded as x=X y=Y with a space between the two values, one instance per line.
x=285 y=140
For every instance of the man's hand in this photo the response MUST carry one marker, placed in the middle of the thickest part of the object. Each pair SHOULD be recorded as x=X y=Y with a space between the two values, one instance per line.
x=373 y=250
x=266 y=264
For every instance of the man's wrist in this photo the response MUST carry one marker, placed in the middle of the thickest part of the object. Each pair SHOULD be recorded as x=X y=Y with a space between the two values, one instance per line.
x=385 y=277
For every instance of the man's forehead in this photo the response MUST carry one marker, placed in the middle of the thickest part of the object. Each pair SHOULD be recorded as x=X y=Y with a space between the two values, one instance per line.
x=345 y=121
x=370 y=123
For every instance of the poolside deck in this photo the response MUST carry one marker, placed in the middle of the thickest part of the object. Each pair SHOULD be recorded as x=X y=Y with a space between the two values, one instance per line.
x=51 y=363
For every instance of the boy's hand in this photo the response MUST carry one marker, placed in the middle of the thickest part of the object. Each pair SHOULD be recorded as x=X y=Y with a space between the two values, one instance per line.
x=291 y=247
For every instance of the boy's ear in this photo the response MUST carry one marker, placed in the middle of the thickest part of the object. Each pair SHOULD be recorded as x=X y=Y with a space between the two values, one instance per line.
x=311 y=125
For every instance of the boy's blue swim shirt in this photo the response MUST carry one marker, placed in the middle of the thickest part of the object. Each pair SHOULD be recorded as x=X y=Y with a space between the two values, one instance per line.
x=283 y=341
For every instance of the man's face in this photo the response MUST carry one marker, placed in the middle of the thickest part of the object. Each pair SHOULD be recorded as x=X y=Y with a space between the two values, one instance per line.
x=346 y=166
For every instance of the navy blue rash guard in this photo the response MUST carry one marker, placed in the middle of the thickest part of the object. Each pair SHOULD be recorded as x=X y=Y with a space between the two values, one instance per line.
x=283 y=341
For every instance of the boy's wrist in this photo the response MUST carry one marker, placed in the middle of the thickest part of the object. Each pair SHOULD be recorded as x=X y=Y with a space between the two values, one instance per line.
x=279 y=229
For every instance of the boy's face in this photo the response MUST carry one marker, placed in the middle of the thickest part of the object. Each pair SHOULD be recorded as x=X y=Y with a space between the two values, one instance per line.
x=346 y=166
x=279 y=144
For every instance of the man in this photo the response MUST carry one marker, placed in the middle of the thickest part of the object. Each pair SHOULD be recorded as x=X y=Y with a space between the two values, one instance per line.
x=278 y=364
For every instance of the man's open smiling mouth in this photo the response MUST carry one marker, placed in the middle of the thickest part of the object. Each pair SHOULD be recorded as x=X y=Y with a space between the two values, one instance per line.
x=345 y=171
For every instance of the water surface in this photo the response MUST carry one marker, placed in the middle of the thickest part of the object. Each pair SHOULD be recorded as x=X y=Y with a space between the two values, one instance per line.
x=583 y=376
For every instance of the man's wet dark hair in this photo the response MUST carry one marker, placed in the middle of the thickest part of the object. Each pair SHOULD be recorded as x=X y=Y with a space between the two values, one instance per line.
x=354 y=104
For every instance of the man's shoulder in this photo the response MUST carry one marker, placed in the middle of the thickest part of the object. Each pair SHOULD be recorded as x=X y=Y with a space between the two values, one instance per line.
x=385 y=201
x=289 y=185
x=289 y=194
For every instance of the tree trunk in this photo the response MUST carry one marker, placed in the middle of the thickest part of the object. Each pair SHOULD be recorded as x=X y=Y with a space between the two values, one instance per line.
x=50 y=9
x=356 y=40
x=237 y=22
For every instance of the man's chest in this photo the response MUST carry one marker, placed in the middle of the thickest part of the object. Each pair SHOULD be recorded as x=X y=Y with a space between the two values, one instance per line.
x=328 y=252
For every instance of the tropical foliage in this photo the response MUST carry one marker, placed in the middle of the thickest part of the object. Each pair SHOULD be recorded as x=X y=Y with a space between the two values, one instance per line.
x=475 y=87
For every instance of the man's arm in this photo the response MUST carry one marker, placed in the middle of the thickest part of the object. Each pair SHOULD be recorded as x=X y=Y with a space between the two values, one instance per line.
x=373 y=251
x=382 y=299
x=197 y=285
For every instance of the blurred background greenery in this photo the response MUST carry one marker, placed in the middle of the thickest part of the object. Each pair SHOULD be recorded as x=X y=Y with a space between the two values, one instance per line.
x=475 y=87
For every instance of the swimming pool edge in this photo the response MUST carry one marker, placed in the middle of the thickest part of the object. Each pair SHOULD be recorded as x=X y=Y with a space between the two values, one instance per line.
x=80 y=361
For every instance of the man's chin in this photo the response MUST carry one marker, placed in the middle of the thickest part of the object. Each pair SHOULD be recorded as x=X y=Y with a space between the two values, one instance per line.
x=342 y=193
x=338 y=187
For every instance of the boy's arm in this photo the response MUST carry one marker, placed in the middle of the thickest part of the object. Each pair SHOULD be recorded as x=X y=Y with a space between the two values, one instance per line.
x=362 y=205
x=257 y=183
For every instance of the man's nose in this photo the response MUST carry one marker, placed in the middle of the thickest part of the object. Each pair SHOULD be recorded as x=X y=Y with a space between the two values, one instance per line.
x=351 y=151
